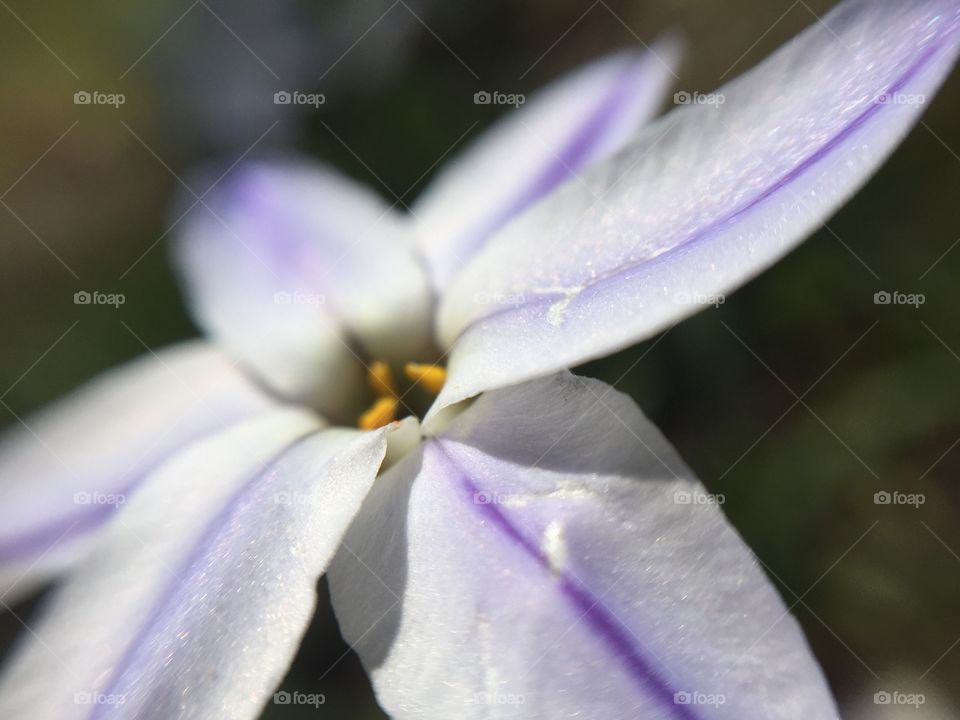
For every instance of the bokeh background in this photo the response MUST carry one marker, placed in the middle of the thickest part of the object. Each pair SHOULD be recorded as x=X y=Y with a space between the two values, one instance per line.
x=877 y=588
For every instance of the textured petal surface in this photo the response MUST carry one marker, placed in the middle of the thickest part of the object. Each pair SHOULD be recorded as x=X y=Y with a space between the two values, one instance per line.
x=549 y=556
x=300 y=272
x=194 y=603
x=66 y=470
x=571 y=123
x=705 y=198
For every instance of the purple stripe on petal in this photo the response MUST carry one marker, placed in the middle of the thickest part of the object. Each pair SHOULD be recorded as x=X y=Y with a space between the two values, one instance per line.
x=572 y=123
x=45 y=537
x=836 y=141
x=579 y=149
x=39 y=540
x=294 y=270
x=100 y=442
x=253 y=571
x=587 y=605
x=702 y=202
x=794 y=175
x=165 y=607
x=136 y=571
x=576 y=539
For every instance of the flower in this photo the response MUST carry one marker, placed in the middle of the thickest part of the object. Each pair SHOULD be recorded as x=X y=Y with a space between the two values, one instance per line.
x=534 y=541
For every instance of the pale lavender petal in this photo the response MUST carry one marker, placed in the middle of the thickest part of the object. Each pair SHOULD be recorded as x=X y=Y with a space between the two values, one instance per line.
x=67 y=469
x=550 y=556
x=576 y=121
x=706 y=198
x=193 y=604
x=301 y=273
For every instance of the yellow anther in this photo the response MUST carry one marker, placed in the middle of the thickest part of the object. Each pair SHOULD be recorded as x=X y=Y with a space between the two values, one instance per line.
x=380 y=380
x=382 y=412
x=431 y=377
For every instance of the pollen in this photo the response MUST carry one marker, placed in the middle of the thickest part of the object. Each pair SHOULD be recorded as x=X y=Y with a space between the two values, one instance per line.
x=430 y=377
x=389 y=396
x=380 y=380
x=382 y=412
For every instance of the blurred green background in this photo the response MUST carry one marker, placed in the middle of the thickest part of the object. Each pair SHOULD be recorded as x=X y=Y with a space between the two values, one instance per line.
x=877 y=588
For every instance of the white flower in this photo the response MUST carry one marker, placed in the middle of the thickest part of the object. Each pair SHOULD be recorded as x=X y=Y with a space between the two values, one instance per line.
x=524 y=553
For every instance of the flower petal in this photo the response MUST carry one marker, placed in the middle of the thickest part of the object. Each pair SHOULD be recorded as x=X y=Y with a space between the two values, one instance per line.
x=551 y=551
x=194 y=602
x=65 y=471
x=705 y=198
x=300 y=272
x=577 y=120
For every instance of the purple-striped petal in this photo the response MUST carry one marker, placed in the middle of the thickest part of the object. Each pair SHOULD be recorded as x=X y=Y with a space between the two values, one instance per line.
x=707 y=197
x=193 y=604
x=301 y=273
x=577 y=120
x=550 y=556
x=66 y=470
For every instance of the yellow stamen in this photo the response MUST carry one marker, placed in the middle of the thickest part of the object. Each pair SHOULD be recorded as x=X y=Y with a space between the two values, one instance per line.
x=382 y=412
x=380 y=380
x=431 y=377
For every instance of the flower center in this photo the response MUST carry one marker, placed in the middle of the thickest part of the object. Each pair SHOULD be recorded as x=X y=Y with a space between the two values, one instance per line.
x=389 y=402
